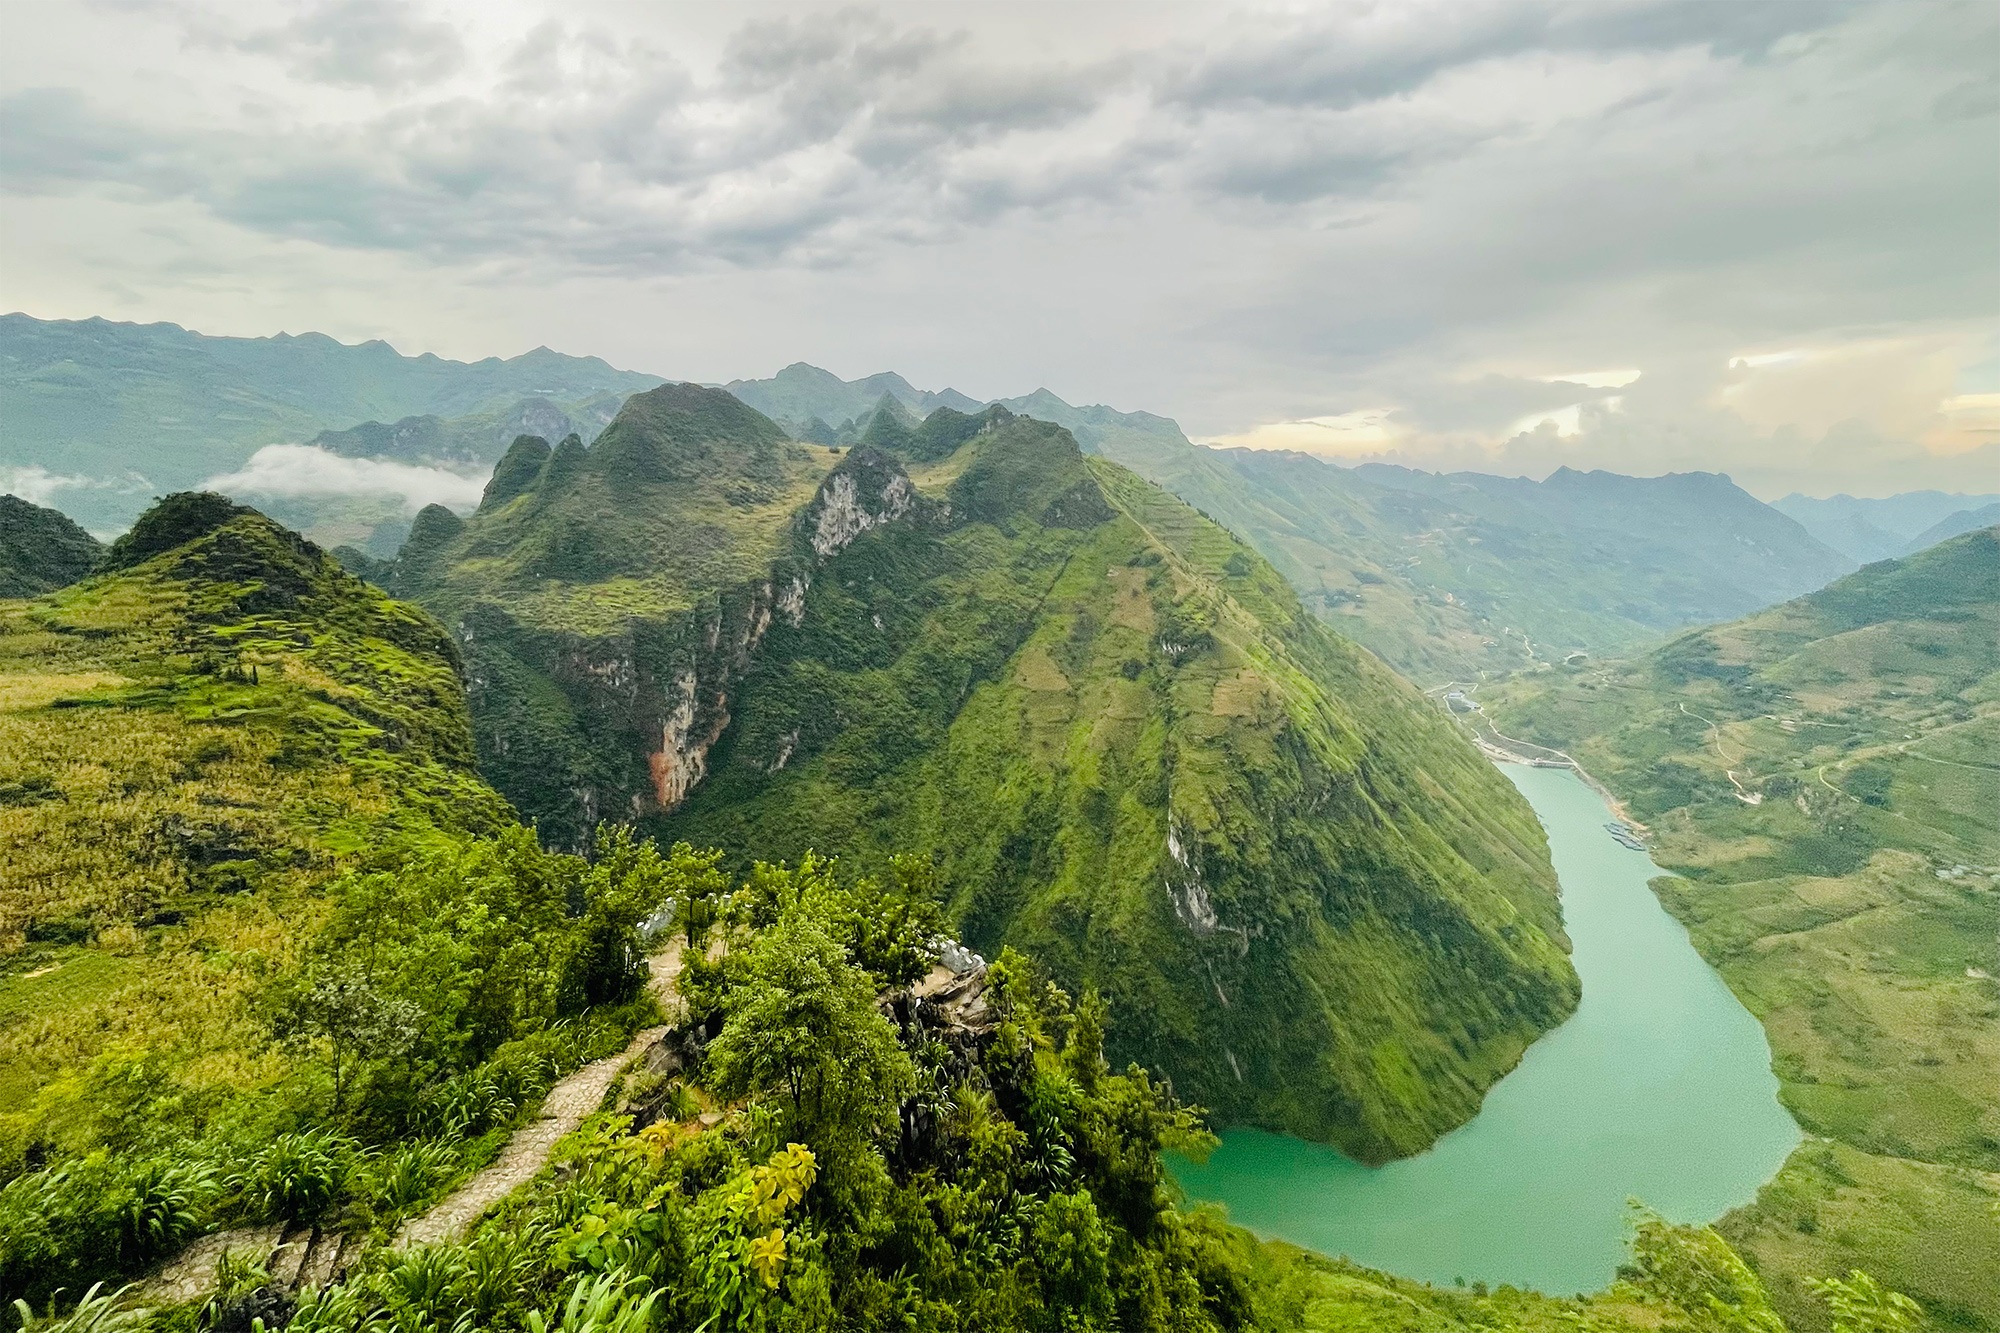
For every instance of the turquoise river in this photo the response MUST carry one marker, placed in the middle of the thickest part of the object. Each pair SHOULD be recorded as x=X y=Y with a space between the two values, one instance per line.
x=1659 y=1088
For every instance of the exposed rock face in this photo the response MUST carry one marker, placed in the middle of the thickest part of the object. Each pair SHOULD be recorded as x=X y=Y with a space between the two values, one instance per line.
x=1184 y=885
x=648 y=702
x=842 y=512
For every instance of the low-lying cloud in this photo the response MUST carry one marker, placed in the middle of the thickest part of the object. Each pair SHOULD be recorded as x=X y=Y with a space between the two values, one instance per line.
x=36 y=484
x=304 y=471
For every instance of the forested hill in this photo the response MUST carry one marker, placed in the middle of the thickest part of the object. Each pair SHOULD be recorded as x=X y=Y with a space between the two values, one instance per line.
x=41 y=549
x=1823 y=774
x=135 y=410
x=1128 y=748
x=1447 y=577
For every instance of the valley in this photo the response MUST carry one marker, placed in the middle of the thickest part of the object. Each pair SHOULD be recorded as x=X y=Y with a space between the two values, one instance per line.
x=873 y=646
x=1659 y=1088
x=1846 y=884
x=1236 y=849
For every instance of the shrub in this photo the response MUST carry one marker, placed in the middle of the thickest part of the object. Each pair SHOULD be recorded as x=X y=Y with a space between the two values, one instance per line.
x=299 y=1176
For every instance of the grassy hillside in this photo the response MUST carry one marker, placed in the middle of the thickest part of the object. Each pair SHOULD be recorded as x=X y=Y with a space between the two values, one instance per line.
x=1132 y=753
x=188 y=744
x=155 y=407
x=1822 y=776
x=41 y=549
x=270 y=950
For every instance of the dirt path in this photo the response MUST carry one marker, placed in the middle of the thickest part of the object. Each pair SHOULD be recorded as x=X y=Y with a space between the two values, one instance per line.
x=567 y=1105
x=1715 y=736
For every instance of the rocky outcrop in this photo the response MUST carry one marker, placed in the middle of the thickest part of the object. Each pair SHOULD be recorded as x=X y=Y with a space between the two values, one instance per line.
x=578 y=729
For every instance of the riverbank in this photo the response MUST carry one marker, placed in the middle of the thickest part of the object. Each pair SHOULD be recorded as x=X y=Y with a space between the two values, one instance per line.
x=1659 y=1087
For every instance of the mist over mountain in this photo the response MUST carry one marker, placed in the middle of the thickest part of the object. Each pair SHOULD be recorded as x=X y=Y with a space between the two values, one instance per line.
x=1867 y=530
x=112 y=414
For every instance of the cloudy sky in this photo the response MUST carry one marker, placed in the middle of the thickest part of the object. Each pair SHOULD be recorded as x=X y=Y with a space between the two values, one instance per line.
x=1758 y=238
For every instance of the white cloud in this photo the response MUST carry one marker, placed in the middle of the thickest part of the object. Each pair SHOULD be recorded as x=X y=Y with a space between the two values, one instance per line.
x=1359 y=434
x=1596 y=379
x=304 y=470
x=36 y=484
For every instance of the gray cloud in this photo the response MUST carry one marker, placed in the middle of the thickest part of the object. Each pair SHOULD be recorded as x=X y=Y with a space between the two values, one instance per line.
x=1411 y=209
x=355 y=44
x=816 y=134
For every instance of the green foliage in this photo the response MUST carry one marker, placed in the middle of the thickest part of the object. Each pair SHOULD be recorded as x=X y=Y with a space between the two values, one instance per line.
x=298 y=1176
x=1860 y=1304
x=1032 y=1202
x=98 y=1312
x=41 y=549
x=1046 y=700
x=802 y=1023
x=1696 y=1273
x=174 y=521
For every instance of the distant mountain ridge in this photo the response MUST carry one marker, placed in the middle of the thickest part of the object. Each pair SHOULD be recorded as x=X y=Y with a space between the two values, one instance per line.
x=1867 y=530
x=1446 y=576
x=1953 y=525
x=141 y=409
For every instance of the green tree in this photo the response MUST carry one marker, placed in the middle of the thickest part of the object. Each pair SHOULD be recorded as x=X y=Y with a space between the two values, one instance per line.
x=337 y=1006
x=802 y=1025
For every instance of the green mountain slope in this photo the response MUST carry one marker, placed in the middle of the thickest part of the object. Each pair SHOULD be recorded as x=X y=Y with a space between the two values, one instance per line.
x=606 y=594
x=41 y=549
x=1823 y=775
x=188 y=742
x=274 y=963
x=1446 y=577
x=138 y=409
x=1128 y=746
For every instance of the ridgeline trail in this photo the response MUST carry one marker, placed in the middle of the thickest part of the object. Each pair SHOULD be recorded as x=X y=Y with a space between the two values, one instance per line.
x=298 y=1255
x=566 y=1106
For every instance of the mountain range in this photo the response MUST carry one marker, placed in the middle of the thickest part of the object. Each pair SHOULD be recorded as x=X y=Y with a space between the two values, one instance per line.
x=285 y=986
x=895 y=681
x=1445 y=576
x=1866 y=530
x=131 y=411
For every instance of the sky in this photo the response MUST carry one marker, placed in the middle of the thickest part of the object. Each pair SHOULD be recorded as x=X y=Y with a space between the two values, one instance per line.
x=1754 y=238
